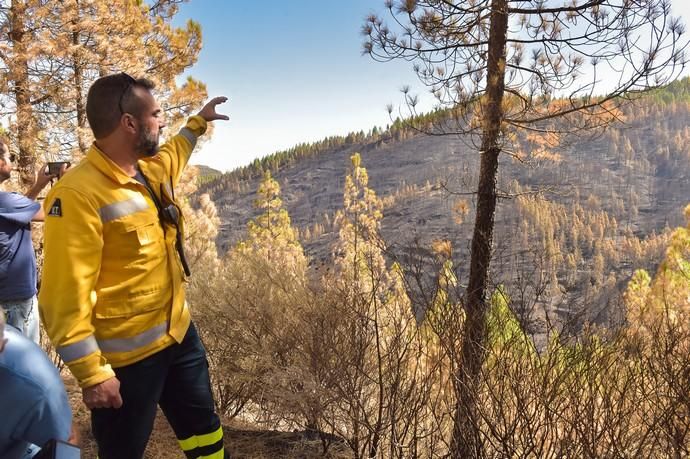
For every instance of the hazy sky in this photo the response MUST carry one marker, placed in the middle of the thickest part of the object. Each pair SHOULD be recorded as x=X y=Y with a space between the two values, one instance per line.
x=294 y=72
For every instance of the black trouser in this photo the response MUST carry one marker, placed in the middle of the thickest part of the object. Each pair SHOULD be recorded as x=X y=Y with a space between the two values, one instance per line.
x=175 y=378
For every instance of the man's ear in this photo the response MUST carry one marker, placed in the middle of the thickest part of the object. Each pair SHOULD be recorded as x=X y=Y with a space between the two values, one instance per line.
x=128 y=122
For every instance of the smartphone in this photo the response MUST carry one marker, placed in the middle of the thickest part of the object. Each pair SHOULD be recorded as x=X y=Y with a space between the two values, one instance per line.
x=57 y=449
x=55 y=166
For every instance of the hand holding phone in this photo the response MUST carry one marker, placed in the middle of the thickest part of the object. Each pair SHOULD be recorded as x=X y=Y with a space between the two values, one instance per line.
x=54 y=167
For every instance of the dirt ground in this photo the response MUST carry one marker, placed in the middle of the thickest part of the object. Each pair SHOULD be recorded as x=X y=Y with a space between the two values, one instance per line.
x=241 y=441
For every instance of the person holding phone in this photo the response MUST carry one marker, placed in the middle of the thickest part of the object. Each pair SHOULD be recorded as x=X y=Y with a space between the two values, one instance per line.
x=33 y=402
x=17 y=259
x=55 y=167
x=113 y=291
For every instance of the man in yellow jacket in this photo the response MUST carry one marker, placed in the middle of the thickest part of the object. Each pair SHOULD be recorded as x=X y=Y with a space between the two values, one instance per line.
x=112 y=294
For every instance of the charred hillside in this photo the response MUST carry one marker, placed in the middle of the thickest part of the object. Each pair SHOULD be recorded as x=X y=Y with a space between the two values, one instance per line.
x=574 y=222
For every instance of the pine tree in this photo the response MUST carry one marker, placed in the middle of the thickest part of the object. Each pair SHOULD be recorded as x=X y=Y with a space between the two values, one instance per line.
x=25 y=83
x=270 y=235
x=258 y=321
x=666 y=297
x=502 y=66
x=55 y=50
x=378 y=326
x=201 y=226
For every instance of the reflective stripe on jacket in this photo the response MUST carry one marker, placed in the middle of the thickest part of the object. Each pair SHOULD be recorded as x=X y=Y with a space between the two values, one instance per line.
x=112 y=290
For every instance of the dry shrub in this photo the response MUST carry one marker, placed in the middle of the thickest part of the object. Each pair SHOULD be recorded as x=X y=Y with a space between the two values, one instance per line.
x=331 y=362
x=345 y=359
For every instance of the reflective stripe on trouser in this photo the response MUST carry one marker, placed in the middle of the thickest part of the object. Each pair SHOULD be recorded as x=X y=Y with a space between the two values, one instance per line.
x=208 y=445
x=90 y=344
x=176 y=379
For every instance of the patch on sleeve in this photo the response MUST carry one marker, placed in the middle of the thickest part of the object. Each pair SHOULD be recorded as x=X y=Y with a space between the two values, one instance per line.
x=56 y=209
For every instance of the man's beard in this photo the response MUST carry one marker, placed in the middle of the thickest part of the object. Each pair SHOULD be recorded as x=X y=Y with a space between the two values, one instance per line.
x=147 y=144
x=4 y=175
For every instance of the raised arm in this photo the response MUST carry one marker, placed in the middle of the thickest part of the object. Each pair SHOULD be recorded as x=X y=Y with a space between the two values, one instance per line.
x=175 y=153
x=41 y=180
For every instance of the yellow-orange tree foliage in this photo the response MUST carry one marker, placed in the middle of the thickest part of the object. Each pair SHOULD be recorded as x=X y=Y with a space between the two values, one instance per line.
x=666 y=297
x=53 y=51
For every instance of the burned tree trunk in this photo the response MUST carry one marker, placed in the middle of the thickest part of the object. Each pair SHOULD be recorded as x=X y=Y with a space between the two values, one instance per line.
x=466 y=441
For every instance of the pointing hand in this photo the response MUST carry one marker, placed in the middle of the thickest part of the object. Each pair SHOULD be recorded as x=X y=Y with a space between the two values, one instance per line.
x=209 y=111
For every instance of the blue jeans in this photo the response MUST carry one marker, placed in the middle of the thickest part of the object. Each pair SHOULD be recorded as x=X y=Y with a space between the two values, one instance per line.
x=23 y=315
x=175 y=378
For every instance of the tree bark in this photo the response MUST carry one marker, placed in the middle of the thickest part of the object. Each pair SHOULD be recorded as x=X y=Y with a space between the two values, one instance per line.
x=466 y=441
x=78 y=80
x=19 y=74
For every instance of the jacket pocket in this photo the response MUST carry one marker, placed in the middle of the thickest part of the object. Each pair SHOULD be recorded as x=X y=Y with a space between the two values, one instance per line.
x=132 y=302
x=133 y=242
x=144 y=229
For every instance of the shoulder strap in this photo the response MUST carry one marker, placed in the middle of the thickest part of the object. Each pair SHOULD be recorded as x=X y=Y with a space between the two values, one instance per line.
x=161 y=212
x=145 y=181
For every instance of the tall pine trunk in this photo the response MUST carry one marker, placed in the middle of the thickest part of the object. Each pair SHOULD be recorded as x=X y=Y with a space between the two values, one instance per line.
x=19 y=74
x=78 y=80
x=466 y=442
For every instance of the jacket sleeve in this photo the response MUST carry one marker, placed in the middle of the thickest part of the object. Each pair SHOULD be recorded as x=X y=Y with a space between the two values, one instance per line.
x=175 y=153
x=72 y=249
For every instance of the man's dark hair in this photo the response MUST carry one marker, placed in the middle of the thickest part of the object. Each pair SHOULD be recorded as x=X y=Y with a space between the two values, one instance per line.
x=111 y=96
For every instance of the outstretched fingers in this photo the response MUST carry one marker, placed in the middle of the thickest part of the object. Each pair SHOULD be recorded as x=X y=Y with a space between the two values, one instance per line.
x=209 y=112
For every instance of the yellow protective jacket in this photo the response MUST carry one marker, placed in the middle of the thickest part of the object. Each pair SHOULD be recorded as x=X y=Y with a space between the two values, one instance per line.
x=112 y=290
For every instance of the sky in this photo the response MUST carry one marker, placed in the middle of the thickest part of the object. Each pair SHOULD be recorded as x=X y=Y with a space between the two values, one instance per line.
x=293 y=72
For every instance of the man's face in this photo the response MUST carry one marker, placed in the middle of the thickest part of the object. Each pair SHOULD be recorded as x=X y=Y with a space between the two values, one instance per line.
x=150 y=123
x=6 y=161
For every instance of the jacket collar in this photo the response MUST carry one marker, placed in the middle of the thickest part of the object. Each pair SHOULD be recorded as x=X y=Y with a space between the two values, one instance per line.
x=106 y=165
